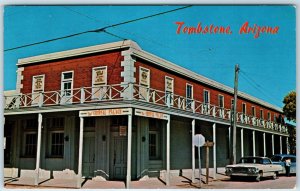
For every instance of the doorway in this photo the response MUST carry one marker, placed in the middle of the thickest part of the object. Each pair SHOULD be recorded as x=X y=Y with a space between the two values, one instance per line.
x=88 y=164
x=118 y=155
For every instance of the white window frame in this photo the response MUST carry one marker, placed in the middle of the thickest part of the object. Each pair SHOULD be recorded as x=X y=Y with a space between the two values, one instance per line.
x=223 y=101
x=36 y=93
x=51 y=132
x=208 y=96
x=144 y=89
x=66 y=99
x=99 y=91
x=261 y=114
x=244 y=104
x=54 y=129
x=169 y=94
x=189 y=100
x=253 y=113
x=269 y=116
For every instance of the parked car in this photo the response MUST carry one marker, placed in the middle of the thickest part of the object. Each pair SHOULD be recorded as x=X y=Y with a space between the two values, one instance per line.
x=256 y=167
x=280 y=159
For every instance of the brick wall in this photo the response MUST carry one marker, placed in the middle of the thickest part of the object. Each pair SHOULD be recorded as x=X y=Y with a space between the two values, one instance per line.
x=82 y=67
x=157 y=81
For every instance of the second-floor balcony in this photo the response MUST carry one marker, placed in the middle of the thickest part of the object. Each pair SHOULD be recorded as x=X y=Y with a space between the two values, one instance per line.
x=119 y=92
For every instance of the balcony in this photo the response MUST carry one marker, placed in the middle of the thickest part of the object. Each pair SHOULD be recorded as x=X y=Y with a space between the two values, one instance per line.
x=119 y=92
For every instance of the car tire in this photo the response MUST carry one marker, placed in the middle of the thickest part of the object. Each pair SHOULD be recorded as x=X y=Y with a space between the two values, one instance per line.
x=232 y=178
x=258 y=177
x=274 y=177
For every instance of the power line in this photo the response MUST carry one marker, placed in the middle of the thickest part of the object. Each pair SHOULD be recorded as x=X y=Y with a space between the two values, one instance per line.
x=99 y=29
x=256 y=86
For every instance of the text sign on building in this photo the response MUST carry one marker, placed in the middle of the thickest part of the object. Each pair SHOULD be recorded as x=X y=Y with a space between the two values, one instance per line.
x=151 y=114
x=105 y=112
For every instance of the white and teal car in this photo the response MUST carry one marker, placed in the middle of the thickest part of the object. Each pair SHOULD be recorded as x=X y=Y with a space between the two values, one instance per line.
x=256 y=167
x=280 y=159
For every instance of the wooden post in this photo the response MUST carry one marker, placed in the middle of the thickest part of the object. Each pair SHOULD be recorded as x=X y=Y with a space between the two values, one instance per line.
x=207 y=145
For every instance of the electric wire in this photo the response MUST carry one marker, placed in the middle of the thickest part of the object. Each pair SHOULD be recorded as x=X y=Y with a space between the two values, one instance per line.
x=97 y=30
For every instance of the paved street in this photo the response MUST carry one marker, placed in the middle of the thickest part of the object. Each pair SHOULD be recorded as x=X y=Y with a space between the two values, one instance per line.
x=184 y=183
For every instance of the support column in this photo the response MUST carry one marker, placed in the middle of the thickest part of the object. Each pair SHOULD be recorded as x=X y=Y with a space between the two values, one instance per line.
x=242 y=142
x=264 y=139
x=272 y=144
x=38 y=152
x=193 y=151
x=214 y=150
x=168 y=152
x=280 y=140
x=79 y=175
x=253 y=137
x=129 y=140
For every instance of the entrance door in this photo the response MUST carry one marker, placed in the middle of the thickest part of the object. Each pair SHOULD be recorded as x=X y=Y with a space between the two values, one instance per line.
x=7 y=143
x=118 y=162
x=88 y=154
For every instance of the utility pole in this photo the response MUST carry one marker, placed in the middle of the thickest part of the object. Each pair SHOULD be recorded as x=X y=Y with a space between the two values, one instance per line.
x=233 y=117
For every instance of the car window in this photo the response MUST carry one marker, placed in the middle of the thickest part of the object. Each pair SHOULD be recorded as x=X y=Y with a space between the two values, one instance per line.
x=276 y=158
x=266 y=161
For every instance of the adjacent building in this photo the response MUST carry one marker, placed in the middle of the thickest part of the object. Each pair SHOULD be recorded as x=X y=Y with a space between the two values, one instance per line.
x=116 y=112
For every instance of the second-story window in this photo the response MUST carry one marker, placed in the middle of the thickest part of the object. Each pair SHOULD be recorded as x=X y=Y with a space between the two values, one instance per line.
x=144 y=82
x=99 y=83
x=66 y=86
x=244 y=108
x=206 y=100
x=189 y=96
x=253 y=111
x=269 y=116
x=221 y=101
x=37 y=87
x=261 y=114
x=169 y=88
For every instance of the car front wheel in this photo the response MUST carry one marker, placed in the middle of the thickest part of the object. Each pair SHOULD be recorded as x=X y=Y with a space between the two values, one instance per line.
x=258 y=178
x=274 y=177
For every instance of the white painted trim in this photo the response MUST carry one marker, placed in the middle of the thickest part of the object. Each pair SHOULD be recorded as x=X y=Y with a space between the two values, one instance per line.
x=186 y=85
x=38 y=152
x=129 y=143
x=20 y=77
x=215 y=150
x=94 y=69
x=149 y=77
x=272 y=144
x=253 y=137
x=192 y=75
x=63 y=80
x=242 y=142
x=264 y=140
x=254 y=114
x=221 y=95
x=193 y=152
x=80 y=154
x=79 y=52
x=172 y=83
x=280 y=141
x=168 y=152
x=205 y=90
x=243 y=103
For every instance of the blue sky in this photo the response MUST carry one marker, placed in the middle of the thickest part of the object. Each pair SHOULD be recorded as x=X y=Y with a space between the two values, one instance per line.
x=268 y=63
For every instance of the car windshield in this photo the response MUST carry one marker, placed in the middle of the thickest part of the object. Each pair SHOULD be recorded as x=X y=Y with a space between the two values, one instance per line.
x=251 y=160
x=276 y=158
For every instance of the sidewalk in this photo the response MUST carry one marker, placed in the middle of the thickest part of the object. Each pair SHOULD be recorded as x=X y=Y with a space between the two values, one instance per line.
x=176 y=182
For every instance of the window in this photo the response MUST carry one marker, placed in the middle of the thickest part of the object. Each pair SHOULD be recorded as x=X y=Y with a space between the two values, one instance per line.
x=244 y=108
x=253 y=111
x=269 y=116
x=169 y=88
x=261 y=114
x=99 y=83
x=30 y=144
x=153 y=145
x=89 y=122
x=30 y=127
x=206 y=97
x=189 y=96
x=66 y=86
x=56 y=136
x=37 y=87
x=57 y=143
x=232 y=103
x=144 y=81
x=221 y=101
x=154 y=139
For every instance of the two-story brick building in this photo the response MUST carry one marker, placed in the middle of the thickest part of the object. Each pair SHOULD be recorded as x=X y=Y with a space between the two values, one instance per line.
x=114 y=111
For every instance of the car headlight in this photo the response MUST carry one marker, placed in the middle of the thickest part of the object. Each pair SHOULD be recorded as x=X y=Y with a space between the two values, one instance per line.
x=228 y=169
x=252 y=170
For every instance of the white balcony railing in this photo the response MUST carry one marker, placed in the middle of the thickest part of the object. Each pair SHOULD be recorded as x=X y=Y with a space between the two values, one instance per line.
x=129 y=91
